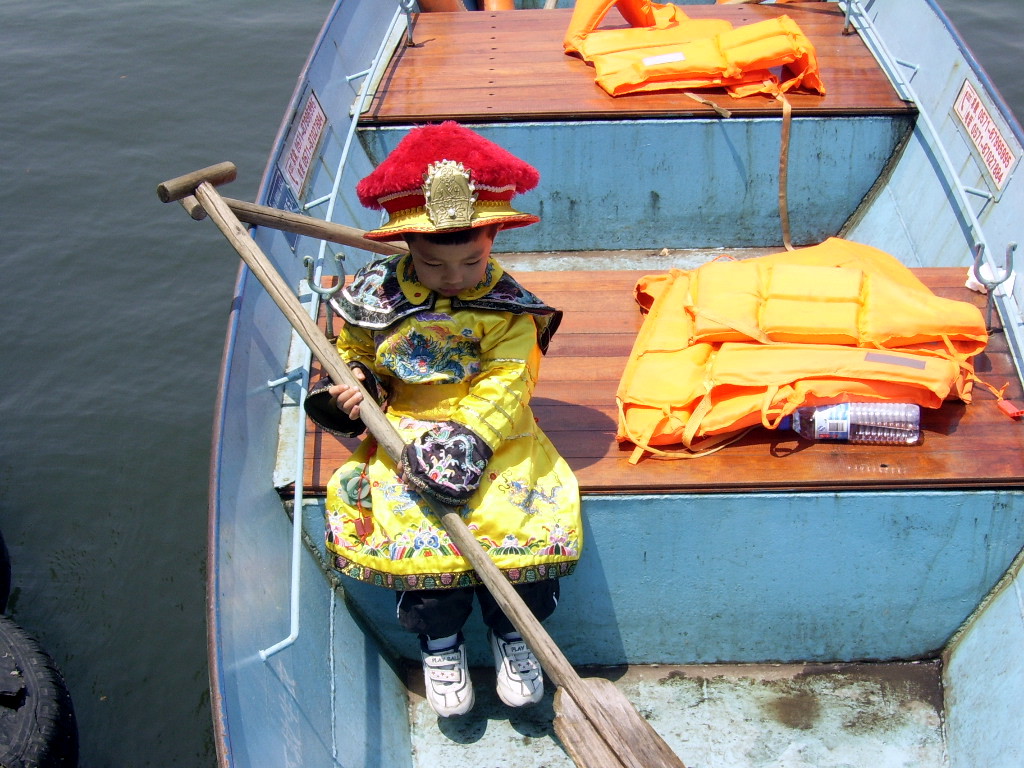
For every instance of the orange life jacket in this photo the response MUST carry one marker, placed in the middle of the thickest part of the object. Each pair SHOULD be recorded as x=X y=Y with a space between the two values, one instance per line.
x=734 y=344
x=664 y=48
x=588 y=14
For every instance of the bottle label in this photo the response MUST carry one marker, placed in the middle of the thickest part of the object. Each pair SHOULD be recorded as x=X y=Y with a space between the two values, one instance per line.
x=832 y=422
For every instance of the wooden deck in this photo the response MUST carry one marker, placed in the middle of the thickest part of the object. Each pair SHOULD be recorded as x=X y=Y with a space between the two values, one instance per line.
x=967 y=446
x=507 y=66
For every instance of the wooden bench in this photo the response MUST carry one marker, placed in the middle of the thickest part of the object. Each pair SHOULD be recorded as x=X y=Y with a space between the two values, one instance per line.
x=965 y=446
x=504 y=67
x=487 y=67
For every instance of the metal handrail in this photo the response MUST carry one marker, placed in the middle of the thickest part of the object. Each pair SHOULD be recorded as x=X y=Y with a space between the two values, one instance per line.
x=381 y=56
x=930 y=134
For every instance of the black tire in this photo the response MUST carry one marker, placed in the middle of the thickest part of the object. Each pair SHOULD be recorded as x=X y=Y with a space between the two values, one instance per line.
x=5 y=574
x=37 y=720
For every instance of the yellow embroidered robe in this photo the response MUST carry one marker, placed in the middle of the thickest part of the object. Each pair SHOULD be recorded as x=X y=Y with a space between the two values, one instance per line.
x=474 y=360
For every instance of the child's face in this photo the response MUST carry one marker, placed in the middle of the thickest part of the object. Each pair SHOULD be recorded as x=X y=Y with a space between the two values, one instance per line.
x=451 y=269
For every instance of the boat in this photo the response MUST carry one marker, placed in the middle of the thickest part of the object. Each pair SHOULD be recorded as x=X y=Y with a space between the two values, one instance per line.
x=778 y=603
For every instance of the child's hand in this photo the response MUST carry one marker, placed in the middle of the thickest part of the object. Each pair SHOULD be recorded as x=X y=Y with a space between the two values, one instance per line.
x=346 y=398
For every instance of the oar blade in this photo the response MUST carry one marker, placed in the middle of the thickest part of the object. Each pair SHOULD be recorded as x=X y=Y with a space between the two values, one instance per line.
x=634 y=742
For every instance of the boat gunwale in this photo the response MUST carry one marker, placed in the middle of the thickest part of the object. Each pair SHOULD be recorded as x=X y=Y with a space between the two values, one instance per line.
x=990 y=88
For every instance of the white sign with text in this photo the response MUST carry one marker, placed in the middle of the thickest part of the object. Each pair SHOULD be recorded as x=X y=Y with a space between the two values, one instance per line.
x=296 y=161
x=995 y=152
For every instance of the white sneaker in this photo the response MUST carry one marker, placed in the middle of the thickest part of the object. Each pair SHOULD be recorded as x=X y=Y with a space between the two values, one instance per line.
x=446 y=675
x=520 y=680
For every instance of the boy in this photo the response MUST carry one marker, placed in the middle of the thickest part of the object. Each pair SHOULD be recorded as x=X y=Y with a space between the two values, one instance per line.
x=452 y=344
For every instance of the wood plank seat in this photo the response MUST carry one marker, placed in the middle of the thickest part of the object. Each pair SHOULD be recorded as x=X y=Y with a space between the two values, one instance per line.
x=965 y=446
x=486 y=67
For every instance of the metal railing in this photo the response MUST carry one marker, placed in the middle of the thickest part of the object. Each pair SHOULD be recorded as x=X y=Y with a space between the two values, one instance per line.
x=369 y=77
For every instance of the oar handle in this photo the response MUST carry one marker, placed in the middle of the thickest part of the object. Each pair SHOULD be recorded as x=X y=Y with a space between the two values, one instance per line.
x=183 y=188
x=275 y=218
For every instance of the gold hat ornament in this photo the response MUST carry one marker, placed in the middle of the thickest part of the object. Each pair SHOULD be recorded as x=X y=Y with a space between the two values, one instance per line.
x=446 y=177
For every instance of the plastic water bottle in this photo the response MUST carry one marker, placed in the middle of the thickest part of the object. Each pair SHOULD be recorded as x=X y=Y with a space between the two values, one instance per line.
x=874 y=423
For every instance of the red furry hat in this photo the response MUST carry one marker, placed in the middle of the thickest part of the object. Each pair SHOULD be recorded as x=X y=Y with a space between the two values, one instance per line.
x=446 y=177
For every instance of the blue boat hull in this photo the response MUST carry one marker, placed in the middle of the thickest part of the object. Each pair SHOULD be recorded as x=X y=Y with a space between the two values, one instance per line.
x=752 y=578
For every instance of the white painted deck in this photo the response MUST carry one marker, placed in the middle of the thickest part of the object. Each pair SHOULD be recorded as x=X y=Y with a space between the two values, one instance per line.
x=719 y=716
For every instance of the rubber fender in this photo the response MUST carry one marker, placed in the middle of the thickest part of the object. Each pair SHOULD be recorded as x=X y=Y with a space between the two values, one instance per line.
x=37 y=720
x=5 y=574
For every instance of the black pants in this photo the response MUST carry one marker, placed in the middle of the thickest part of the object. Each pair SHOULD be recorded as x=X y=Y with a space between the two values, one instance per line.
x=443 y=612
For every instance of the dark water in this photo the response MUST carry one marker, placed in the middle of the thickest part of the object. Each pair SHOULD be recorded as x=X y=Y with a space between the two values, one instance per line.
x=113 y=314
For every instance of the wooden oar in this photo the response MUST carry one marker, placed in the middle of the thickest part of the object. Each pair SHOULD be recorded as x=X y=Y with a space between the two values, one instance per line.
x=595 y=722
x=263 y=215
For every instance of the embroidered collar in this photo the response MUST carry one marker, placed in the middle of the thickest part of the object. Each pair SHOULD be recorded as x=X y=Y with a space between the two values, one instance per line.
x=386 y=291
